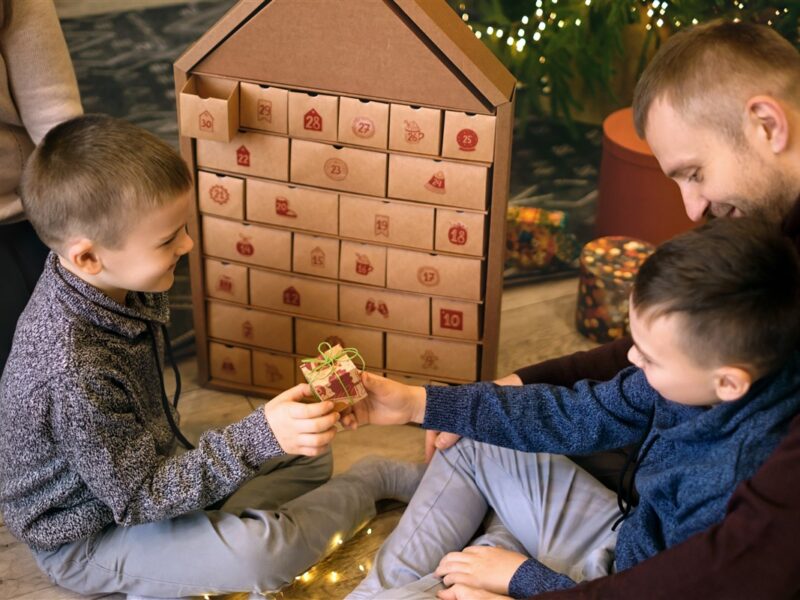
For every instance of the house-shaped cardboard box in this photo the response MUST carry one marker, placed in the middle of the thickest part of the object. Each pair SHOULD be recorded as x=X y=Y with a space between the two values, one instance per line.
x=379 y=130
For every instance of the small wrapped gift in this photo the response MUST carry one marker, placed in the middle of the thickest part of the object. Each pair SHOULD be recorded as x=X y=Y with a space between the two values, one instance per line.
x=333 y=376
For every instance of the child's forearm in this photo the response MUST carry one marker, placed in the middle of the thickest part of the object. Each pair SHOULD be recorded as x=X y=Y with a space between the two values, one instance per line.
x=418 y=402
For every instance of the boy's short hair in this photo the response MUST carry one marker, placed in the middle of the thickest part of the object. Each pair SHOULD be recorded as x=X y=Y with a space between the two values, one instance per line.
x=94 y=175
x=736 y=282
x=708 y=72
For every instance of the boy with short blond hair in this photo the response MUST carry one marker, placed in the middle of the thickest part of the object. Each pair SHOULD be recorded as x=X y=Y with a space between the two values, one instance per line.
x=89 y=476
x=715 y=385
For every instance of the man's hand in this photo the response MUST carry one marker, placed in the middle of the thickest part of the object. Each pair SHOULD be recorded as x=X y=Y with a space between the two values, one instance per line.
x=301 y=428
x=464 y=592
x=483 y=567
x=438 y=440
x=388 y=403
x=512 y=379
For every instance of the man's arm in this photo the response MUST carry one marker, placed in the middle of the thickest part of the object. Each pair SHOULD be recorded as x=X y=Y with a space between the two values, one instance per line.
x=600 y=364
x=752 y=553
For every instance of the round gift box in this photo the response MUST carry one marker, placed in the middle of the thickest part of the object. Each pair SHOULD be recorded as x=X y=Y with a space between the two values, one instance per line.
x=608 y=266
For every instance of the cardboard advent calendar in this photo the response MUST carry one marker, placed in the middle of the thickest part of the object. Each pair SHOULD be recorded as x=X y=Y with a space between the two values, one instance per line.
x=352 y=165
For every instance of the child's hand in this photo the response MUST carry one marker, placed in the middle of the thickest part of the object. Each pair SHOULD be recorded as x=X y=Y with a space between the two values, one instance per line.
x=464 y=592
x=388 y=403
x=482 y=567
x=301 y=428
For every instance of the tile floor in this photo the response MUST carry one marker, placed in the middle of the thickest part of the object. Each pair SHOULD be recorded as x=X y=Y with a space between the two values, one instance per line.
x=536 y=324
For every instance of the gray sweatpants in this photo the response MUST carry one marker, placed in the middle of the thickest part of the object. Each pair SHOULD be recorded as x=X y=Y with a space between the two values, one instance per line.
x=249 y=545
x=548 y=508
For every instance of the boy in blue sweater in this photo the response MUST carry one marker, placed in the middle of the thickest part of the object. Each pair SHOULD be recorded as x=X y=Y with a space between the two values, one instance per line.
x=715 y=383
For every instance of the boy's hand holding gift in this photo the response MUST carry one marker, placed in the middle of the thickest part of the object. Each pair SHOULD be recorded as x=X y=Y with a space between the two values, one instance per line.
x=387 y=403
x=299 y=427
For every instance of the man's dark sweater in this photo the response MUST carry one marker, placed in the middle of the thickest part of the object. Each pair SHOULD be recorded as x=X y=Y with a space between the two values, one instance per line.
x=752 y=553
x=84 y=440
x=694 y=455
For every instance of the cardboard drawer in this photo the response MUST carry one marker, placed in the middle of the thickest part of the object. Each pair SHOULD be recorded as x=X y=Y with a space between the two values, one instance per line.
x=248 y=326
x=226 y=281
x=309 y=334
x=459 y=231
x=433 y=274
x=438 y=181
x=297 y=295
x=264 y=107
x=243 y=242
x=249 y=153
x=316 y=255
x=450 y=318
x=379 y=308
x=437 y=359
x=313 y=116
x=273 y=370
x=415 y=129
x=344 y=169
x=363 y=122
x=220 y=195
x=383 y=221
x=292 y=206
x=229 y=363
x=363 y=263
x=468 y=136
x=209 y=108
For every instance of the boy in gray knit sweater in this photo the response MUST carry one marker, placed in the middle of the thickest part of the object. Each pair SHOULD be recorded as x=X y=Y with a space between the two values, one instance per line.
x=89 y=474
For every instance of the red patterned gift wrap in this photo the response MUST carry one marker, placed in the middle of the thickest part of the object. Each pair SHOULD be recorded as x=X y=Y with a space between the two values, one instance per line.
x=334 y=376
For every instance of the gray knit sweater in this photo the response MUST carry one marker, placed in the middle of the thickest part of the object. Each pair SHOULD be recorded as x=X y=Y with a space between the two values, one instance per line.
x=84 y=441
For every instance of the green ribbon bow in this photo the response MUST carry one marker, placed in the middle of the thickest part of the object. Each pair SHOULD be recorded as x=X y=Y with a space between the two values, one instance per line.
x=324 y=361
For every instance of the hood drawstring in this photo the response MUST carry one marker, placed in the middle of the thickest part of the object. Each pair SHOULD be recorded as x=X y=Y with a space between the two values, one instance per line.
x=164 y=400
x=625 y=498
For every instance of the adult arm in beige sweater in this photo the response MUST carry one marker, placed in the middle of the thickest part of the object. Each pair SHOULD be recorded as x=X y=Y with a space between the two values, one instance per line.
x=38 y=89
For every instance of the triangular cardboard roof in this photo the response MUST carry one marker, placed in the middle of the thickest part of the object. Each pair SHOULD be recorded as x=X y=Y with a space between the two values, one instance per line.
x=411 y=51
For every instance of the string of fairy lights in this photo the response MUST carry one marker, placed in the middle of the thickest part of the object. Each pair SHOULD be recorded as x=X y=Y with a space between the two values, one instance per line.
x=548 y=16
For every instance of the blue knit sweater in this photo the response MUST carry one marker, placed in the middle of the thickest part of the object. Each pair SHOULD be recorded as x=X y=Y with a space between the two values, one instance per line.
x=696 y=456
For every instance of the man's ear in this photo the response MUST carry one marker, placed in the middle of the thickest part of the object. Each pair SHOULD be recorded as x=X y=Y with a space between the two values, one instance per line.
x=731 y=383
x=83 y=255
x=767 y=119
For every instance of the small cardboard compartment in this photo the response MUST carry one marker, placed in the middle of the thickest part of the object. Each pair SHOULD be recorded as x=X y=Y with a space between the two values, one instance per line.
x=243 y=242
x=298 y=295
x=380 y=308
x=468 y=136
x=363 y=122
x=440 y=182
x=273 y=370
x=433 y=274
x=313 y=116
x=220 y=195
x=415 y=129
x=309 y=334
x=249 y=153
x=339 y=168
x=292 y=206
x=363 y=263
x=459 y=231
x=450 y=318
x=399 y=223
x=229 y=363
x=436 y=359
x=264 y=107
x=316 y=255
x=226 y=281
x=209 y=108
x=247 y=326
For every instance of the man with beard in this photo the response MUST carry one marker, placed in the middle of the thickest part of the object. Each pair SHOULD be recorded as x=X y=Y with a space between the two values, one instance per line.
x=719 y=106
